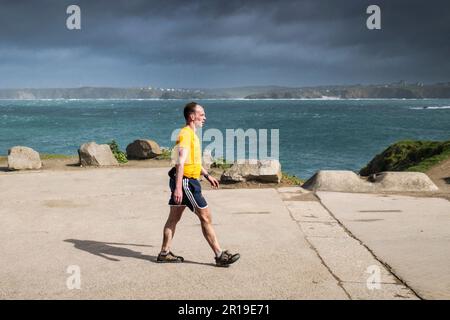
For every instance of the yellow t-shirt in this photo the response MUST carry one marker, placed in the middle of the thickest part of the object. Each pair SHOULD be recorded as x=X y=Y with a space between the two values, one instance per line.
x=187 y=139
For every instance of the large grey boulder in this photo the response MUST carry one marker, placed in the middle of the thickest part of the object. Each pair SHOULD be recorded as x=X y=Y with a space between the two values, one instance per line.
x=268 y=171
x=92 y=154
x=143 y=149
x=23 y=158
x=348 y=181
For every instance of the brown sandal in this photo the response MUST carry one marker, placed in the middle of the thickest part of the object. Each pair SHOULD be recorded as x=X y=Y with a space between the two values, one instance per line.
x=227 y=258
x=169 y=258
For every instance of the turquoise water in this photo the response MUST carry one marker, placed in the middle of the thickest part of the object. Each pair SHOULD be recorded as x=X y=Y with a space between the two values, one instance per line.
x=314 y=134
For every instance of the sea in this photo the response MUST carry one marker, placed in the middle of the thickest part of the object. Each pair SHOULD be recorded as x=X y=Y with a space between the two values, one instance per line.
x=312 y=134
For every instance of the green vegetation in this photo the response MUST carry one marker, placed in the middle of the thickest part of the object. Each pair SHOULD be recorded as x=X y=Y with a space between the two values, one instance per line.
x=221 y=163
x=291 y=179
x=166 y=154
x=119 y=155
x=408 y=155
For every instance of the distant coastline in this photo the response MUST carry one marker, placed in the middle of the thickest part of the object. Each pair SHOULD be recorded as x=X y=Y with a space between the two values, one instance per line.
x=398 y=90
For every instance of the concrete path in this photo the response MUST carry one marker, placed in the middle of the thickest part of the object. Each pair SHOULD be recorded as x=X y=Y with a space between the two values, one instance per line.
x=107 y=224
x=357 y=271
x=411 y=235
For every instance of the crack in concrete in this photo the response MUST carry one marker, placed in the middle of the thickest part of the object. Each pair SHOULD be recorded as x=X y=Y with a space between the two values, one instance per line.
x=338 y=280
x=386 y=265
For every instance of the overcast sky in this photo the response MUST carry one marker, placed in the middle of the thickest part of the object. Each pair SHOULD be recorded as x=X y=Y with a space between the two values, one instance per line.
x=226 y=43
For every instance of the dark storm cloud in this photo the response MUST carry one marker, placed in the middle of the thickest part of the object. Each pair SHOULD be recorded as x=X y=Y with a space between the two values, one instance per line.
x=222 y=43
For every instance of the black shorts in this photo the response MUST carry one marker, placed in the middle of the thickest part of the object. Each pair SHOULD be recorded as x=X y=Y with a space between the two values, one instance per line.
x=192 y=194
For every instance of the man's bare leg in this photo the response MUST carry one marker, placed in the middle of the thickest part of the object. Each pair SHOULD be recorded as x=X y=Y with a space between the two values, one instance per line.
x=208 y=231
x=170 y=226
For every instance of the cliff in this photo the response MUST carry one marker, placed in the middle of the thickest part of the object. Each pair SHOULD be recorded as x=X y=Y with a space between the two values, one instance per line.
x=408 y=155
x=398 y=90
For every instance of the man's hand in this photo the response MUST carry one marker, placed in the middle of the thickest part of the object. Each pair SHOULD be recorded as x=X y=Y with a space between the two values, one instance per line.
x=178 y=195
x=213 y=181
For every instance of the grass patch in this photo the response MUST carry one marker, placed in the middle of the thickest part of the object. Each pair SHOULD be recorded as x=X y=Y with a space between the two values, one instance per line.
x=427 y=164
x=46 y=156
x=49 y=156
x=291 y=179
x=408 y=155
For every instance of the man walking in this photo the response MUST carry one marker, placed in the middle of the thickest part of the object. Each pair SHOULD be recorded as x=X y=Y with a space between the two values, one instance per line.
x=186 y=190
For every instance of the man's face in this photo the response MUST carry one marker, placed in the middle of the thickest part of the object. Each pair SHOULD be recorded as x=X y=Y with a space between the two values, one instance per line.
x=199 y=116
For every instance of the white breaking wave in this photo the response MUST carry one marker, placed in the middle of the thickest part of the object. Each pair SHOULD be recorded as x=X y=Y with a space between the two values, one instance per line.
x=426 y=107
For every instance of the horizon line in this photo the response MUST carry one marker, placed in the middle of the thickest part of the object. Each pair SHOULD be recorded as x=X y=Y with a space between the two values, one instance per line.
x=399 y=82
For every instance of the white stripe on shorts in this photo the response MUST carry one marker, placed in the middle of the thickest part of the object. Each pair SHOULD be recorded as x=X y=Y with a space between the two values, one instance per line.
x=188 y=193
x=193 y=198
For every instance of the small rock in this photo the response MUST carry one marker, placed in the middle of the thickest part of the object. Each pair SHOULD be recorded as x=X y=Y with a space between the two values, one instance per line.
x=143 y=149
x=92 y=154
x=22 y=158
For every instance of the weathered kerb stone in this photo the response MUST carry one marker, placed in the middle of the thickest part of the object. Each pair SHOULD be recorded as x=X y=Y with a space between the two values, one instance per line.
x=348 y=181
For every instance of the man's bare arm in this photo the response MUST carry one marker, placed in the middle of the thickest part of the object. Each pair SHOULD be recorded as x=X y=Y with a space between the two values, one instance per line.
x=204 y=171
x=182 y=156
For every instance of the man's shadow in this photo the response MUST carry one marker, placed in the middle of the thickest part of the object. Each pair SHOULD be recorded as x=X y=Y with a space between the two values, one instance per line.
x=105 y=249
